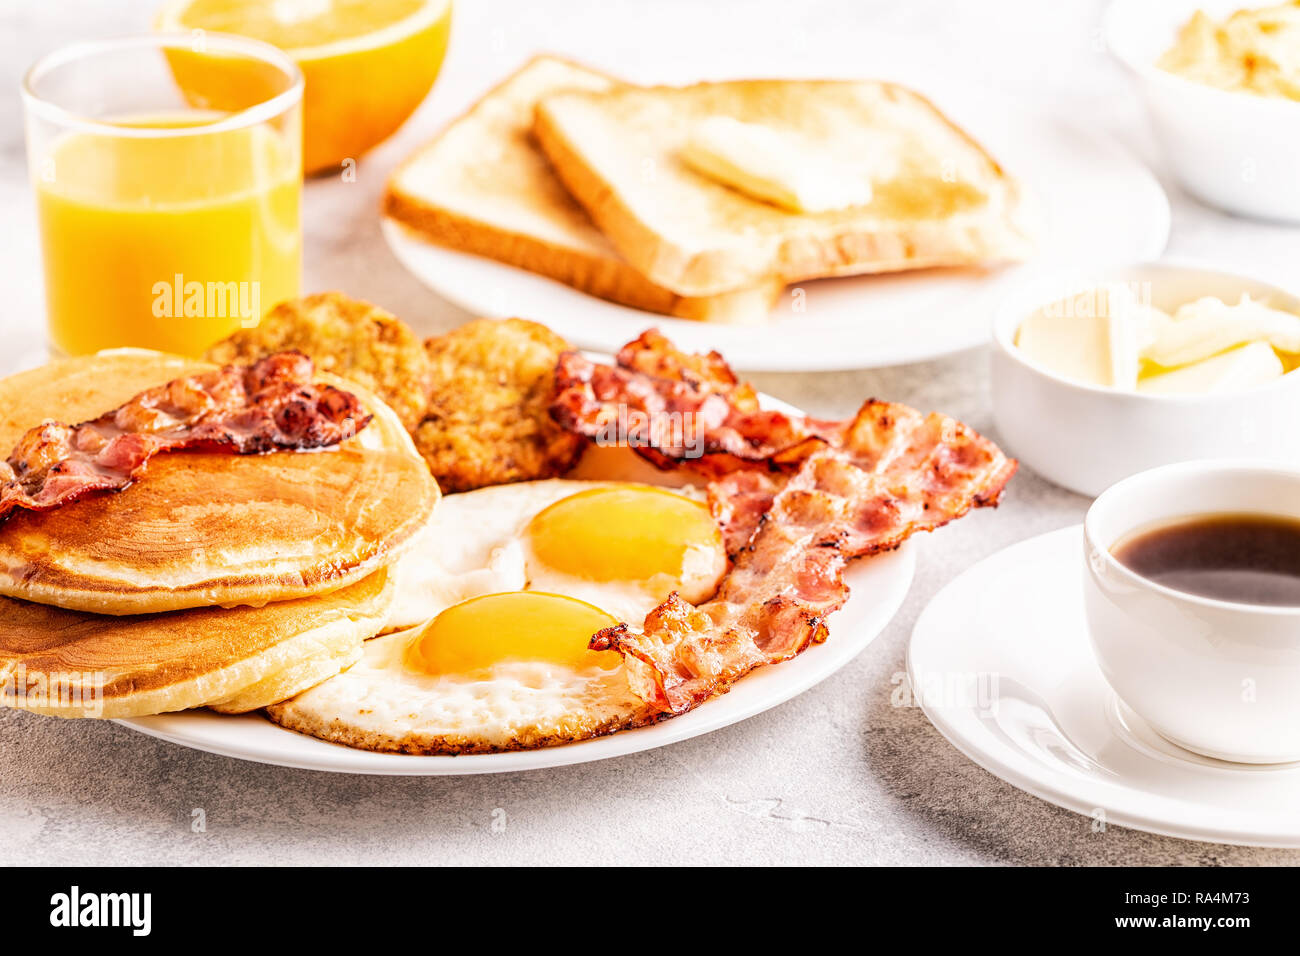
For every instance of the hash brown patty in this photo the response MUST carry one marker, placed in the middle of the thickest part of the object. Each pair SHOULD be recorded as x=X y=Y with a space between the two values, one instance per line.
x=488 y=419
x=347 y=337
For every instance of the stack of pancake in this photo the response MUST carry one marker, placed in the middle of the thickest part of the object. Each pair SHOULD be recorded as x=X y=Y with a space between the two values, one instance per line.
x=221 y=580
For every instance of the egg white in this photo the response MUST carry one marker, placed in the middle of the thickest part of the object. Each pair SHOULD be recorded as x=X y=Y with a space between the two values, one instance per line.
x=378 y=704
x=476 y=544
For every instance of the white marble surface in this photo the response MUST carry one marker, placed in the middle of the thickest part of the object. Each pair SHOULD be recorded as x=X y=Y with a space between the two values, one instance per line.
x=836 y=776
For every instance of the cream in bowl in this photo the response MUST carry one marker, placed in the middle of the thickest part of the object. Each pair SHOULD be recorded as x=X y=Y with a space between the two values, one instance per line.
x=1097 y=377
x=1192 y=597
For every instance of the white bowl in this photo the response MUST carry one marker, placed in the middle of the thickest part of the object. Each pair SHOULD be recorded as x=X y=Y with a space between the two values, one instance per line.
x=1238 y=151
x=1218 y=678
x=1087 y=437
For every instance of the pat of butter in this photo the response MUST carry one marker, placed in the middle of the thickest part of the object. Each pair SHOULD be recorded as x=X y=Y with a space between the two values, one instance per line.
x=1094 y=337
x=773 y=167
x=1208 y=326
x=1242 y=367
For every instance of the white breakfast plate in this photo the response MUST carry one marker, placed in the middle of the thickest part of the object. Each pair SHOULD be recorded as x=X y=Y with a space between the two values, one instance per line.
x=1001 y=663
x=1099 y=205
x=878 y=585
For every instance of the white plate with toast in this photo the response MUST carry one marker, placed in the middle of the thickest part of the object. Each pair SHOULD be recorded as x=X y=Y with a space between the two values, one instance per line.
x=879 y=585
x=1092 y=203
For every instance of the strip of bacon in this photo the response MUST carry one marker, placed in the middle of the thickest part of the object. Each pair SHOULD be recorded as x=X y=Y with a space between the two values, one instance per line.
x=796 y=498
x=654 y=355
x=896 y=473
x=245 y=410
x=678 y=409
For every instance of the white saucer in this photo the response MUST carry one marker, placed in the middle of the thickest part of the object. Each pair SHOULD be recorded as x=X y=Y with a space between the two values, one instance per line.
x=1001 y=663
x=1099 y=205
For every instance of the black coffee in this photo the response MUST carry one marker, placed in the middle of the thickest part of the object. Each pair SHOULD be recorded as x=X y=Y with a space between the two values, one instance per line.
x=1244 y=558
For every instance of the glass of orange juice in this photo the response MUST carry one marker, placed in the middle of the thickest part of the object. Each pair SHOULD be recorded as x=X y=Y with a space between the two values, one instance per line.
x=168 y=175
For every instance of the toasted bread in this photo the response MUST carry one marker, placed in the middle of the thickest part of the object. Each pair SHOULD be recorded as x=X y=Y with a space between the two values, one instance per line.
x=938 y=198
x=483 y=187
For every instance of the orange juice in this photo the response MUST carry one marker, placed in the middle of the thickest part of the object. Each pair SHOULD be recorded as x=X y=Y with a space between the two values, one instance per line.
x=168 y=242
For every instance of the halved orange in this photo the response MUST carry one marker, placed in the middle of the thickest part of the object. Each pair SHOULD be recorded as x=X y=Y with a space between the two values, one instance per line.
x=367 y=63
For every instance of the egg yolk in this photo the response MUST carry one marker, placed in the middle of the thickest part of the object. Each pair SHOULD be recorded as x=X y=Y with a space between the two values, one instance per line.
x=630 y=533
x=516 y=625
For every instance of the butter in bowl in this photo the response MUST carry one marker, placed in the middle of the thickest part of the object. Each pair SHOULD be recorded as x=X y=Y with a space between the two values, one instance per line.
x=1097 y=377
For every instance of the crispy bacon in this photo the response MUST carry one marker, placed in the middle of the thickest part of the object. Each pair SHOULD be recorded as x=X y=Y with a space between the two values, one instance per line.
x=897 y=473
x=654 y=355
x=677 y=409
x=245 y=410
x=739 y=502
x=797 y=500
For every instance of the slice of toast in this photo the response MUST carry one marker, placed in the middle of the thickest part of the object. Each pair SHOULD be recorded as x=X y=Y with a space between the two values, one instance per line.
x=938 y=199
x=482 y=186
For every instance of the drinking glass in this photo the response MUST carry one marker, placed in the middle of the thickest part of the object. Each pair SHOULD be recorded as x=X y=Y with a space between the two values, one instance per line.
x=167 y=170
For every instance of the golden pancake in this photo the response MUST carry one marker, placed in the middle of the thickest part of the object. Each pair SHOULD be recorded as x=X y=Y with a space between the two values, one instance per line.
x=73 y=664
x=205 y=528
x=329 y=660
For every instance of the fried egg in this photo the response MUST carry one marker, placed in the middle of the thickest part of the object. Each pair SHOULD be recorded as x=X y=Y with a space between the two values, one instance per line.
x=497 y=605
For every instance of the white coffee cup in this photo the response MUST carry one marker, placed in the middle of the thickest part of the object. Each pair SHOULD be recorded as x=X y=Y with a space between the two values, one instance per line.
x=1215 y=677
